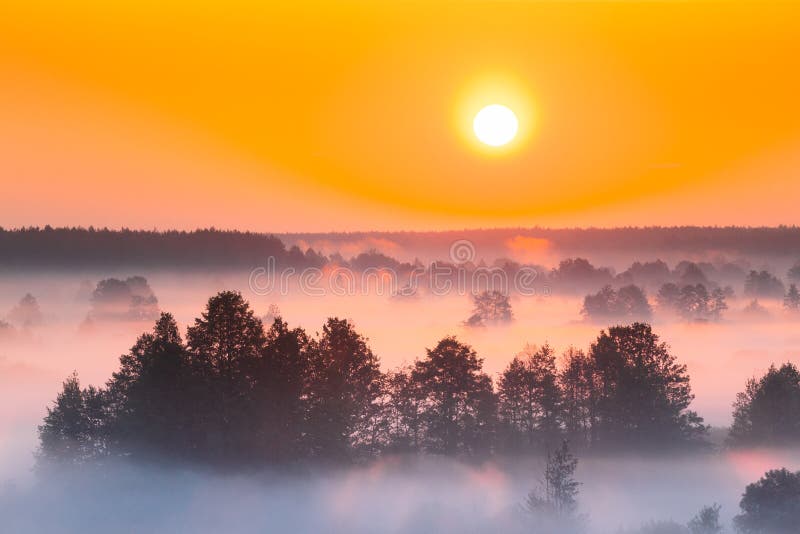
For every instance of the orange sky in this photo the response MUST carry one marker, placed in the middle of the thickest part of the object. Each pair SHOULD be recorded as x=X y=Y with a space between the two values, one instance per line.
x=301 y=115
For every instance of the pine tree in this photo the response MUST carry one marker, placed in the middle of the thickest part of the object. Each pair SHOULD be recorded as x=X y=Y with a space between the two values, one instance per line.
x=792 y=299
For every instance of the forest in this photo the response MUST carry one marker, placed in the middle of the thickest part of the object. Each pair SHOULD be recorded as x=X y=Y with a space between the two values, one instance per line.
x=235 y=395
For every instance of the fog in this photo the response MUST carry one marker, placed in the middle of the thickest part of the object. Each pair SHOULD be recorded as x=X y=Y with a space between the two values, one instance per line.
x=394 y=494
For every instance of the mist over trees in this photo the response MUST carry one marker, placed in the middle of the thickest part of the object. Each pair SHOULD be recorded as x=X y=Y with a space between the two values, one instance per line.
x=627 y=303
x=762 y=284
x=771 y=505
x=236 y=394
x=490 y=307
x=767 y=412
x=48 y=247
x=692 y=302
x=554 y=506
x=131 y=299
x=26 y=313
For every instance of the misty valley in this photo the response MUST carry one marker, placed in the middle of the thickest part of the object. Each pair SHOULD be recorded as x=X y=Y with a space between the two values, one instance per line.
x=633 y=396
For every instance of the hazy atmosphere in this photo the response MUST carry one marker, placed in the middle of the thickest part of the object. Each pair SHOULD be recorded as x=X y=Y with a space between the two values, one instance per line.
x=402 y=267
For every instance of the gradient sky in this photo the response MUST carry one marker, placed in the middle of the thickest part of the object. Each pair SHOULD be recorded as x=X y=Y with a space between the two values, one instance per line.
x=314 y=116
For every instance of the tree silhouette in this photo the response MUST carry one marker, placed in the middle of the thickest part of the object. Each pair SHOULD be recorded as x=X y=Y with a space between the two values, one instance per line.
x=792 y=299
x=225 y=346
x=763 y=284
x=578 y=381
x=280 y=391
x=771 y=505
x=794 y=273
x=706 y=521
x=458 y=402
x=644 y=394
x=767 y=412
x=577 y=274
x=490 y=307
x=629 y=302
x=693 y=302
x=73 y=430
x=345 y=384
x=130 y=299
x=403 y=416
x=556 y=505
x=234 y=396
x=530 y=399
x=151 y=396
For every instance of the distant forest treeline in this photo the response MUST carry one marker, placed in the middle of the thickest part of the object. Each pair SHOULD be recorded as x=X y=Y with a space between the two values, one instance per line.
x=89 y=247
x=49 y=247
x=777 y=241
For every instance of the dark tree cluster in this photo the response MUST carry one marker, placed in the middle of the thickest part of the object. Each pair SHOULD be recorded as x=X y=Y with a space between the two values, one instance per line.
x=767 y=412
x=236 y=393
x=49 y=247
x=771 y=505
x=762 y=284
x=626 y=303
x=791 y=301
x=629 y=391
x=692 y=302
x=578 y=274
x=490 y=307
x=131 y=299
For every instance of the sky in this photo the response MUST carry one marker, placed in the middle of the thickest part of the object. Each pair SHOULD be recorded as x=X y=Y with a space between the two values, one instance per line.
x=331 y=116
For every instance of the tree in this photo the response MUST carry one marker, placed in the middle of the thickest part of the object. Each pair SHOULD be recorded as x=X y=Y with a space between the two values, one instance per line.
x=632 y=303
x=458 y=403
x=771 y=505
x=579 y=393
x=490 y=307
x=73 y=431
x=706 y=521
x=792 y=299
x=643 y=393
x=529 y=398
x=345 y=384
x=26 y=313
x=151 y=395
x=649 y=273
x=556 y=505
x=629 y=302
x=403 y=411
x=130 y=299
x=281 y=381
x=689 y=273
x=579 y=274
x=717 y=305
x=794 y=273
x=767 y=412
x=763 y=284
x=693 y=302
x=601 y=305
x=668 y=296
x=225 y=347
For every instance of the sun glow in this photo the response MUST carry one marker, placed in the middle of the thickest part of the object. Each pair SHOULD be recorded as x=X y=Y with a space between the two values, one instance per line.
x=495 y=125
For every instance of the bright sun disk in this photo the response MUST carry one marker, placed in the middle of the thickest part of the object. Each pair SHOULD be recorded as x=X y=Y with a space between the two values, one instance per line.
x=495 y=125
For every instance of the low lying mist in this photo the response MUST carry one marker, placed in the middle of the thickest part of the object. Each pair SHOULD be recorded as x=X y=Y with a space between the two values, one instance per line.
x=395 y=495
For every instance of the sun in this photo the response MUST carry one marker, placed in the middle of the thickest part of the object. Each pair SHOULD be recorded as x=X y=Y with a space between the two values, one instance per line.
x=495 y=125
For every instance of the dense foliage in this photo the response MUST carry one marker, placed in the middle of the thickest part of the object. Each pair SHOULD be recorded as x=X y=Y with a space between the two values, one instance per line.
x=237 y=393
